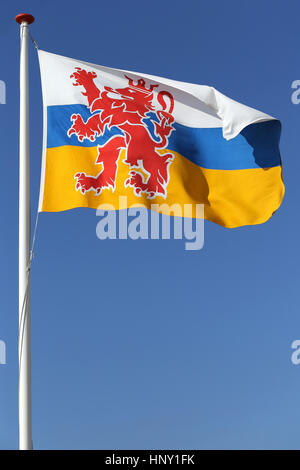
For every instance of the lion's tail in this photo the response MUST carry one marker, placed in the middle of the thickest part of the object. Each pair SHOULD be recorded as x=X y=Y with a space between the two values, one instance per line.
x=163 y=128
x=161 y=99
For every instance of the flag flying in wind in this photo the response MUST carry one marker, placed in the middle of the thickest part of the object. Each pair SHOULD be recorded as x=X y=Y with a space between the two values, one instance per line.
x=111 y=133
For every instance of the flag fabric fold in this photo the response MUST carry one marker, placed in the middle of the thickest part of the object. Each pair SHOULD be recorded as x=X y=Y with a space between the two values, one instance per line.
x=159 y=142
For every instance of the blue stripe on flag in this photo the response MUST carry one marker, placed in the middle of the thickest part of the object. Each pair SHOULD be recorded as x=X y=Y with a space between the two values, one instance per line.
x=257 y=146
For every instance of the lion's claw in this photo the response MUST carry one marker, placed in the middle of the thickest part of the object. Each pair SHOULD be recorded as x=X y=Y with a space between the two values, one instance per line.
x=81 y=129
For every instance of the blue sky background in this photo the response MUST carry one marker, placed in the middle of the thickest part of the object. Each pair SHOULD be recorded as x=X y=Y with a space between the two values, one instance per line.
x=141 y=344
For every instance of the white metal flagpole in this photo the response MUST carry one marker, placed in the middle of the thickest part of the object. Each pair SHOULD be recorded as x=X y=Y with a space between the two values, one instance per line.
x=25 y=415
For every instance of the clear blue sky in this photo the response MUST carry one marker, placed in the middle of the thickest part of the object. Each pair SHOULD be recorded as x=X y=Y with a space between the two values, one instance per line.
x=199 y=356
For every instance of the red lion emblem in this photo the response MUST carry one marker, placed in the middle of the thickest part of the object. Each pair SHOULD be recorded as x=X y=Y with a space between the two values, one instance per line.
x=127 y=109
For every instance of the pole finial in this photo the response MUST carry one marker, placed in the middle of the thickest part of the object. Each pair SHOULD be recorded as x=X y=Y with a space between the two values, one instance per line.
x=24 y=17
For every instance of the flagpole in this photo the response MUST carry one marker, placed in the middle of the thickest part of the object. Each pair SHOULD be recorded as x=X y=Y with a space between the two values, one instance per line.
x=25 y=414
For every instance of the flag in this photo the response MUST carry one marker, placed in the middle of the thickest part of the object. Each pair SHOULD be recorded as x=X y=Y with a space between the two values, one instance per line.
x=161 y=143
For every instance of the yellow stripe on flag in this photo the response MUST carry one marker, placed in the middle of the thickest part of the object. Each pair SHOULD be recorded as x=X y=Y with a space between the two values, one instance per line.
x=231 y=197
